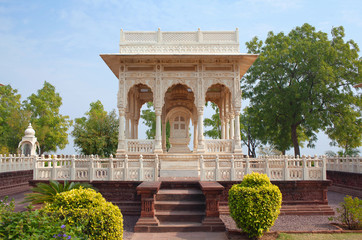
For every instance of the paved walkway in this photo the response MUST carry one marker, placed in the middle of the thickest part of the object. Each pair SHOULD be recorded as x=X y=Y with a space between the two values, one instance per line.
x=180 y=236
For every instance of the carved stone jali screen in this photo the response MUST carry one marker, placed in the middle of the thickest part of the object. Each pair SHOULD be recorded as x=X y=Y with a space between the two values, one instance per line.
x=179 y=72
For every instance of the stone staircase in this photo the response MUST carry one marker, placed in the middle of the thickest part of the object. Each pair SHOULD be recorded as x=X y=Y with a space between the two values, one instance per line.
x=180 y=207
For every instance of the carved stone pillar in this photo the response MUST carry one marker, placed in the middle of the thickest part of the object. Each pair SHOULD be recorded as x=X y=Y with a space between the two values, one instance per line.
x=200 y=127
x=121 y=137
x=136 y=129
x=164 y=147
x=127 y=135
x=237 y=139
x=232 y=129
x=195 y=137
x=222 y=128
x=158 y=142
x=227 y=128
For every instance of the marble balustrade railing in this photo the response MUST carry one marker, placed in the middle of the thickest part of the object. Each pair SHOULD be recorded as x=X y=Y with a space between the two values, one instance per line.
x=219 y=145
x=140 y=146
x=278 y=168
x=213 y=167
x=345 y=164
x=93 y=168
x=16 y=162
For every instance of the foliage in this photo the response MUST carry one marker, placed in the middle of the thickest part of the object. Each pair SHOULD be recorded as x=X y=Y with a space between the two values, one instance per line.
x=250 y=131
x=51 y=127
x=303 y=83
x=255 y=204
x=97 y=133
x=13 y=119
x=100 y=219
x=350 y=213
x=214 y=122
x=34 y=225
x=346 y=130
x=149 y=119
x=44 y=192
x=268 y=151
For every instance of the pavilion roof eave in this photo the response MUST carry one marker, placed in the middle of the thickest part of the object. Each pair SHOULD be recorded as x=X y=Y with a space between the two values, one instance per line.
x=113 y=60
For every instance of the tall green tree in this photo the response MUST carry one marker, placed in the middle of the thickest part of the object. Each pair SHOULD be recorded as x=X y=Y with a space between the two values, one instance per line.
x=97 y=132
x=13 y=119
x=51 y=127
x=250 y=131
x=300 y=81
x=214 y=122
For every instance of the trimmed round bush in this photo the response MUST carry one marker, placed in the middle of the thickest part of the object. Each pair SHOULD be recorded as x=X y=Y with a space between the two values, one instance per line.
x=86 y=208
x=255 y=204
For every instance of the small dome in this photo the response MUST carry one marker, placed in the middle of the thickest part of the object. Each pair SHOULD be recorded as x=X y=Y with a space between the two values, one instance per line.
x=29 y=132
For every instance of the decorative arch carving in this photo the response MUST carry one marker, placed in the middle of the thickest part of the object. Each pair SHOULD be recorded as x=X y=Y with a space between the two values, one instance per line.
x=226 y=82
x=131 y=83
x=168 y=83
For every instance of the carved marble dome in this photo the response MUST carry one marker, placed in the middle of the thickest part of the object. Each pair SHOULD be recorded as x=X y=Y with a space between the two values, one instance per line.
x=30 y=132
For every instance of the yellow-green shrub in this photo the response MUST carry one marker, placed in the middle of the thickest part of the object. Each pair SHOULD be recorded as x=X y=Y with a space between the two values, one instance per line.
x=99 y=219
x=255 y=204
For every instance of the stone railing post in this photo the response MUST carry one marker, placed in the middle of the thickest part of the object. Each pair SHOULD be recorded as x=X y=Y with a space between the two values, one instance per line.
x=247 y=165
x=141 y=168
x=305 y=168
x=126 y=167
x=212 y=192
x=148 y=191
x=217 y=168
x=110 y=168
x=286 y=169
x=54 y=165
x=324 y=167
x=72 y=168
x=91 y=168
x=35 y=167
x=232 y=170
x=267 y=169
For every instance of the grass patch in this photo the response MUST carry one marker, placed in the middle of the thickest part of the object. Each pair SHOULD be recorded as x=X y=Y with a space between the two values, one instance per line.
x=320 y=236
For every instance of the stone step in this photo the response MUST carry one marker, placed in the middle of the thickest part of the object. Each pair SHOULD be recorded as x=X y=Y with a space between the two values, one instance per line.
x=179 y=216
x=180 y=205
x=179 y=195
x=180 y=185
x=180 y=227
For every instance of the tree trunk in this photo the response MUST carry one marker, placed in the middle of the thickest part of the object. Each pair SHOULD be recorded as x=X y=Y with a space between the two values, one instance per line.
x=295 y=140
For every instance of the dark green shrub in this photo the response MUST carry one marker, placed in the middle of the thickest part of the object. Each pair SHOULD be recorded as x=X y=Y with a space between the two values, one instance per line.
x=44 y=192
x=100 y=219
x=350 y=213
x=35 y=225
x=255 y=204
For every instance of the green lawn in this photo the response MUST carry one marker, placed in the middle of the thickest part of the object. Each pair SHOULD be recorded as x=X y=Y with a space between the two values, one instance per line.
x=319 y=236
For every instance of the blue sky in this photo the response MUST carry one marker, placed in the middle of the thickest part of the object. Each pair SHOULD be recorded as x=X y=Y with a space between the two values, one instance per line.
x=60 y=41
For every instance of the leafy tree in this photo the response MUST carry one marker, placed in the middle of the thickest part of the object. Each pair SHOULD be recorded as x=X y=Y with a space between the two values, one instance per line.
x=13 y=119
x=97 y=133
x=149 y=119
x=51 y=127
x=300 y=81
x=251 y=132
x=346 y=130
x=214 y=122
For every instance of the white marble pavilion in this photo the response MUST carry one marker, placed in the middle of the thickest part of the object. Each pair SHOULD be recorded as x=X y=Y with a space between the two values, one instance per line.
x=179 y=72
